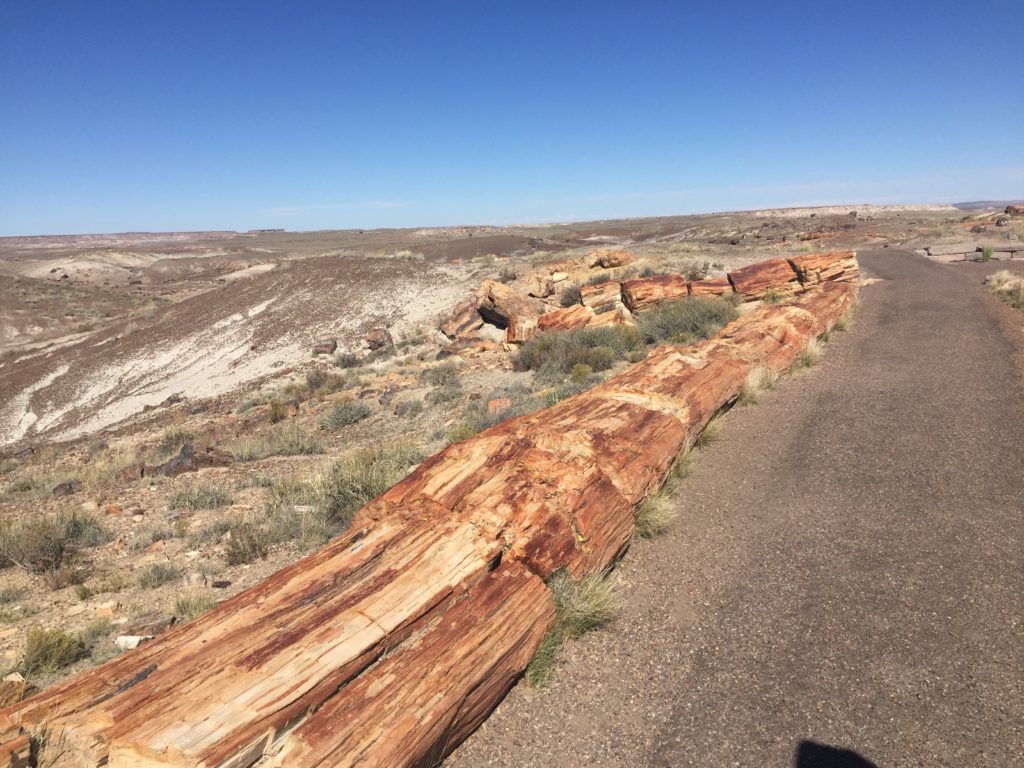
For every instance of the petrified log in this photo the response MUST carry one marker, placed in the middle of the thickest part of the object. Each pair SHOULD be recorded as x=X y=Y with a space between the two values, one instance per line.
x=647 y=292
x=16 y=753
x=755 y=280
x=711 y=286
x=436 y=690
x=390 y=644
x=509 y=309
x=465 y=320
x=814 y=268
x=566 y=318
x=601 y=297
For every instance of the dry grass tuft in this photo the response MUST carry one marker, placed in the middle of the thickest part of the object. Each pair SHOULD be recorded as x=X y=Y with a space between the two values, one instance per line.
x=193 y=604
x=758 y=380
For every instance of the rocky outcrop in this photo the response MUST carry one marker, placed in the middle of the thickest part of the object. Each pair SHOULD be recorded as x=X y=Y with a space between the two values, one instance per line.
x=647 y=292
x=325 y=347
x=389 y=645
x=608 y=259
x=776 y=275
x=605 y=299
x=379 y=339
x=192 y=458
x=507 y=308
x=1015 y=210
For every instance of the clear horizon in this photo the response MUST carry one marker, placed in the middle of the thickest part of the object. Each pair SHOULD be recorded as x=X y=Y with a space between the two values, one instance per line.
x=238 y=116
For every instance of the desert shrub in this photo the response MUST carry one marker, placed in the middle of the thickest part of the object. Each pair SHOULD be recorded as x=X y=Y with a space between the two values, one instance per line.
x=477 y=416
x=570 y=296
x=447 y=393
x=150 y=534
x=364 y=475
x=156 y=575
x=9 y=595
x=200 y=497
x=346 y=360
x=409 y=408
x=441 y=375
x=248 y=542
x=507 y=274
x=710 y=433
x=1014 y=297
x=277 y=412
x=282 y=441
x=580 y=606
x=771 y=296
x=654 y=516
x=554 y=353
x=580 y=373
x=810 y=356
x=997 y=280
x=49 y=650
x=345 y=414
x=193 y=604
x=758 y=379
x=47 y=544
x=94 y=631
x=295 y=512
x=685 y=321
x=173 y=439
x=986 y=253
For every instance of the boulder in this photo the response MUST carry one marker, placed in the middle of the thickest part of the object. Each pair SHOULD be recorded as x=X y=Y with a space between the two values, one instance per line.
x=602 y=297
x=192 y=458
x=1015 y=210
x=566 y=318
x=325 y=346
x=379 y=338
x=464 y=321
x=608 y=259
x=507 y=308
x=754 y=281
x=648 y=292
x=541 y=286
x=814 y=268
x=711 y=286
x=67 y=488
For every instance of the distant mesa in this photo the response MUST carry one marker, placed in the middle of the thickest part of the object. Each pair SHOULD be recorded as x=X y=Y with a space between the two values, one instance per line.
x=264 y=231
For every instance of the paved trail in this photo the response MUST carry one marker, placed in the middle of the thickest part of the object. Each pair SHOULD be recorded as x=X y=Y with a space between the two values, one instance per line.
x=848 y=568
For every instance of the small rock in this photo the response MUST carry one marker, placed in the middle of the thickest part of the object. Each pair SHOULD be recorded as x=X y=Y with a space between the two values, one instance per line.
x=90 y=506
x=130 y=642
x=558 y=277
x=133 y=472
x=108 y=608
x=113 y=509
x=156 y=546
x=220 y=583
x=325 y=346
x=192 y=458
x=379 y=338
x=1003 y=221
x=174 y=399
x=67 y=488
x=198 y=408
x=1015 y=210
x=138 y=518
x=386 y=396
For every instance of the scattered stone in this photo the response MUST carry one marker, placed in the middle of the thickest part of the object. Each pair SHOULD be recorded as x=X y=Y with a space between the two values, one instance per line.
x=220 y=583
x=174 y=399
x=108 y=608
x=1003 y=221
x=325 y=346
x=386 y=396
x=114 y=510
x=195 y=410
x=67 y=488
x=465 y=320
x=130 y=642
x=157 y=546
x=558 y=277
x=192 y=458
x=138 y=517
x=379 y=338
x=1015 y=210
x=134 y=472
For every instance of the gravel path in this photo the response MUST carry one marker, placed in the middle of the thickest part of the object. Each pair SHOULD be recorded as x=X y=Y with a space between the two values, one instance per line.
x=847 y=570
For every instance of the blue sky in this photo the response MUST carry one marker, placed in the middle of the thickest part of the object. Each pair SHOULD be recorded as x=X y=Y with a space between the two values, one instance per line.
x=316 y=115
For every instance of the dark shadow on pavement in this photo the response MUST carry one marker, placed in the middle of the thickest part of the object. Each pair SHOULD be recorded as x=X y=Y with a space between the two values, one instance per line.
x=810 y=754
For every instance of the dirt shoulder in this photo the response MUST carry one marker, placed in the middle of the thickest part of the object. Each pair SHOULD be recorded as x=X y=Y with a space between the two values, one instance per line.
x=846 y=569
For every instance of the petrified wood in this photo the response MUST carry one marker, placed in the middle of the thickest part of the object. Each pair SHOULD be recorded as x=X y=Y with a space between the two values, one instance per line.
x=755 y=280
x=393 y=642
x=648 y=292
x=566 y=318
x=712 y=286
x=836 y=266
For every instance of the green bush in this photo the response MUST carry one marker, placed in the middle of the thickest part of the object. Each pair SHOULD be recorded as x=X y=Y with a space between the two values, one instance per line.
x=364 y=475
x=346 y=414
x=50 y=650
x=346 y=360
x=553 y=354
x=46 y=544
x=156 y=575
x=247 y=543
x=685 y=321
x=986 y=253
x=570 y=296
x=448 y=393
x=440 y=375
x=193 y=604
x=286 y=441
x=200 y=497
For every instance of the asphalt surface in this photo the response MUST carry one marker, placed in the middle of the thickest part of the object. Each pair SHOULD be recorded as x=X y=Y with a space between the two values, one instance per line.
x=845 y=586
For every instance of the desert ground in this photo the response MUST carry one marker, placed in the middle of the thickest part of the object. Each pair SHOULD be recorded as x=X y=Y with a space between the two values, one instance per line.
x=266 y=352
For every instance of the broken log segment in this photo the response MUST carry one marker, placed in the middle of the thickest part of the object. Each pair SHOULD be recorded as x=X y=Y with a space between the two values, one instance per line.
x=648 y=292
x=835 y=266
x=754 y=281
x=411 y=612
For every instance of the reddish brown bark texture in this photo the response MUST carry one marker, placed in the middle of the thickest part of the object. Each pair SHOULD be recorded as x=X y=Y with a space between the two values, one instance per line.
x=391 y=644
